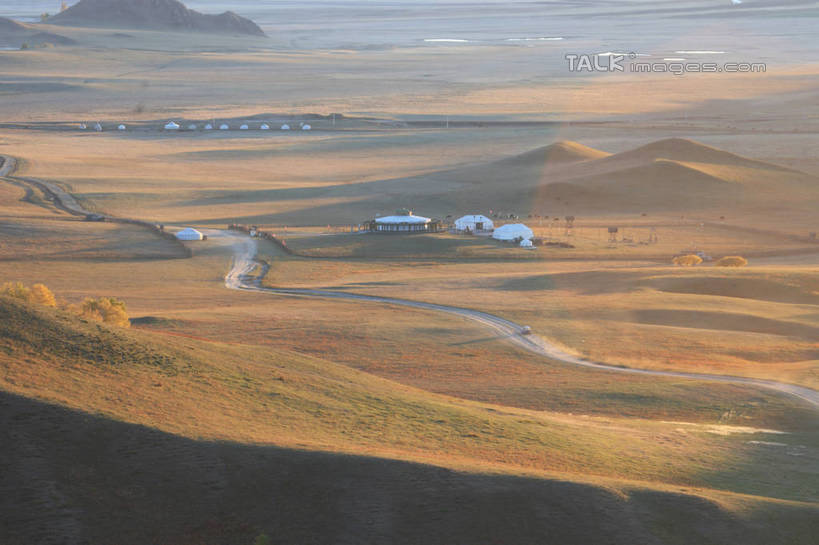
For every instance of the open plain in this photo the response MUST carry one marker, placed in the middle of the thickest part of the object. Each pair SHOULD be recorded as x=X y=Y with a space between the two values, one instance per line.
x=336 y=397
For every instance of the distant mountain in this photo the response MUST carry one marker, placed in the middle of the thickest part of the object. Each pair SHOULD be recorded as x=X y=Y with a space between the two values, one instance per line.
x=153 y=15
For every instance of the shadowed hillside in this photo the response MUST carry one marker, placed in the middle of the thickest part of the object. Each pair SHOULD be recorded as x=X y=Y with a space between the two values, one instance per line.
x=152 y=14
x=70 y=477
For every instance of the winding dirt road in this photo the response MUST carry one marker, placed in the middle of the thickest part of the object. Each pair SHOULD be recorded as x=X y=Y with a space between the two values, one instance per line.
x=244 y=262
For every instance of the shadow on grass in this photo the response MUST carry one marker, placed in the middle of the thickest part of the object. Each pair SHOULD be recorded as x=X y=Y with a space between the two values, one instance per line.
x=72 y=477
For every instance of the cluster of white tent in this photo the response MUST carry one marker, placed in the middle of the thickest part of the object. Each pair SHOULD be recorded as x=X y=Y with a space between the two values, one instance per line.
x=477 y=223
x=174 y=126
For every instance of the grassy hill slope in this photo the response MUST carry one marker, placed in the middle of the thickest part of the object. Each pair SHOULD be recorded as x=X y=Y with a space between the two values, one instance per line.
x=154 y=439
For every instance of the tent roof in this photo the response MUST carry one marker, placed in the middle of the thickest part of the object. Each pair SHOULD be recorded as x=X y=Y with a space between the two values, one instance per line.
x=472 y=218
x=189 y=234
x=511 y=231
x=409 y=218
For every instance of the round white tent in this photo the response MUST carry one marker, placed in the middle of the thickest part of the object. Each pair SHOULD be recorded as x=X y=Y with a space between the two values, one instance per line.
x=306 y=127
x=403 y=221
x=189 y=234
x=83 y=126
x=208 y=127
x=223 y=127
x=474 y=223
x=171 y=126
x=121 y=128
x=513 y=231
x=243 y=128
x=285 y=127
x=526 y=243
x=192 y=127
x=98 y=127
x=265 y=127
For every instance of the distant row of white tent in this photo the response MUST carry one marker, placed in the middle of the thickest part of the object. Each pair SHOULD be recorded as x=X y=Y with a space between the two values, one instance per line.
x=174 y=126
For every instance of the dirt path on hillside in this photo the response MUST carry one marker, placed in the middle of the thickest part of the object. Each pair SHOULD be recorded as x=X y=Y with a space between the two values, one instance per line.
x=244 y=263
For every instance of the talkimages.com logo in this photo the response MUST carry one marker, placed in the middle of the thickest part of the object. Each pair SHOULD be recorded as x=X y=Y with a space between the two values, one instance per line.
x=629 y=62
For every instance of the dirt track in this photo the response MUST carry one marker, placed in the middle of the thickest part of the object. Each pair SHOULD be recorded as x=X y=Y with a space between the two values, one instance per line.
x=244 y=263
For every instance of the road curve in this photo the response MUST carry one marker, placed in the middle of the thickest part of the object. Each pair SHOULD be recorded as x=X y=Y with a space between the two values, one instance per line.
x=244 y=262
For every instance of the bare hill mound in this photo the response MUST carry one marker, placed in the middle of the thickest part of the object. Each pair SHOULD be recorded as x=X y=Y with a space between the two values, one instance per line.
x=560 y=152
x=684 y=150
x=659 y=185
x=154 y=15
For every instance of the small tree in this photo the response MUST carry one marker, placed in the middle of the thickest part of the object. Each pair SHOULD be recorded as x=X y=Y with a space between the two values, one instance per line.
x=687 y=260
x=732 y=261
x=41 y=295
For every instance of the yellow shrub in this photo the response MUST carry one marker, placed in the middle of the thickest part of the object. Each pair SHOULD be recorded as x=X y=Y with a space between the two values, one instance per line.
x=41 y=295
x=16 y=290
x=687 y=260
x=732 y=261
x=105 y=309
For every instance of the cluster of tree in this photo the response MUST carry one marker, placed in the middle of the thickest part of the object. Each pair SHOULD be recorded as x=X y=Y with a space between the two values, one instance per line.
x=103 y=309
x=38 y=293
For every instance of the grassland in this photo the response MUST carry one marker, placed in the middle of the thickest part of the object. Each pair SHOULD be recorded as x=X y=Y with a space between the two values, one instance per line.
x=221 y=414
x=266 y=397
x=759 y=321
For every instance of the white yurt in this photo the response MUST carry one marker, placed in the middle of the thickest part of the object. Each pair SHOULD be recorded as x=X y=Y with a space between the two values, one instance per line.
x=98 y=127
x=189 y=234
x=265 y=127
x=513 y=231
x=403 y=221
x=474 y=223
x=526 y=243
x=208 y=127
x=306 y=127
x=171 y=126
x=243 y=128
x=192 y=127
x=223 y=127
x=285 y=127
x=121 y=128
